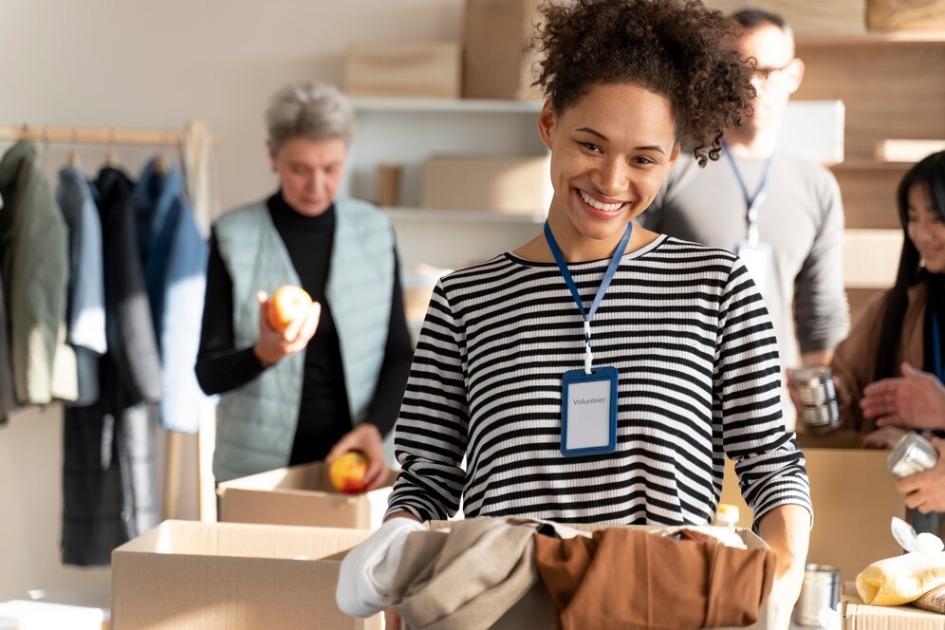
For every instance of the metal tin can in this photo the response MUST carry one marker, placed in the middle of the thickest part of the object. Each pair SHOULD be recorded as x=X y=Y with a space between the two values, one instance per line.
x=819 y=603
x=820 y=412
x=912 y=454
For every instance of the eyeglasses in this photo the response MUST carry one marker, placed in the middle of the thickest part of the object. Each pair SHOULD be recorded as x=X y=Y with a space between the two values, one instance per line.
x=765 y=73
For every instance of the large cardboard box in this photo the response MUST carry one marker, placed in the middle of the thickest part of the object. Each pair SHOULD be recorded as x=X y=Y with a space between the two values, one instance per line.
x=300 y=495
x=854 y=499
x=500 y=183
x=403 y=69
x=186 y=575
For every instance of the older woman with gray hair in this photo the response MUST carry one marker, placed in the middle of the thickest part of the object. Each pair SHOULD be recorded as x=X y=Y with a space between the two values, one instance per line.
x=333 y=379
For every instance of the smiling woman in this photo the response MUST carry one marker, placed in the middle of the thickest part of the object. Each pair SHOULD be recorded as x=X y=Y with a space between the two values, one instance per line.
x=672 y=338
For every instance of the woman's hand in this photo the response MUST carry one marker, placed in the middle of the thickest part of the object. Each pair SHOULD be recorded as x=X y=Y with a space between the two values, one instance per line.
x=365 y=438
x=925 y=491
x=916 y=400
x=272 y=345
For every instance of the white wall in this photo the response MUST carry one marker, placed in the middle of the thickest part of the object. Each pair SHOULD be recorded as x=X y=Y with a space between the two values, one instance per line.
x=152 y=64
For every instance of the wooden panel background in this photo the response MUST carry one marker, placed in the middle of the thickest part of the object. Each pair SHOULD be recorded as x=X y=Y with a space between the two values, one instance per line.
x=892 y=89
x=869 y=194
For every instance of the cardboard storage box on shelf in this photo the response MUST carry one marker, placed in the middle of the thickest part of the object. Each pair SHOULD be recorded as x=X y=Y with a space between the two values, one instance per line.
x=190 y=575
x=837 y=17
x=854 y=499
x=496 y=63
x=906 y=15
x=506 y=184
x=535 y=609
x=403 y=69
x=859 y=616
x=300 y=495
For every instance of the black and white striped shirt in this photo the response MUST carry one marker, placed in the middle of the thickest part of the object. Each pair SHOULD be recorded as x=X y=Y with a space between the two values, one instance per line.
x=699 y=378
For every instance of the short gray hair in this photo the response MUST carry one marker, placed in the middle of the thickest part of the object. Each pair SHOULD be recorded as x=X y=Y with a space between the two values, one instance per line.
x=315 y=111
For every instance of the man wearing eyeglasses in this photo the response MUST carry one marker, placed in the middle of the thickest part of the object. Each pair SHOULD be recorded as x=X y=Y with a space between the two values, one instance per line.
x=780 y=212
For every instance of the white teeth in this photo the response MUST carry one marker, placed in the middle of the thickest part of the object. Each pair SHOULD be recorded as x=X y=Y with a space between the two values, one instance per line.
x=606 y=207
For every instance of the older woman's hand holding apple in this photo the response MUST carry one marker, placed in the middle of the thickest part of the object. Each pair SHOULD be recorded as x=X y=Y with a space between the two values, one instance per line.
x=287 y=321
x=365 y=438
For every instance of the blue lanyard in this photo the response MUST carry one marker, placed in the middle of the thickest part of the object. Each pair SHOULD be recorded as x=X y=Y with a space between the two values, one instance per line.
x=752 y=202
x=604 y=284
x=937 y=348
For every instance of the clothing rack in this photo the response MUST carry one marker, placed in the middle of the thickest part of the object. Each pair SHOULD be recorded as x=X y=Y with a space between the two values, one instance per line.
x=111 y=136
x=92 y=135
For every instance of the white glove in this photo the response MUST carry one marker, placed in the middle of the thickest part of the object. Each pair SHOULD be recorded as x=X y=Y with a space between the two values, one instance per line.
x=368 y=570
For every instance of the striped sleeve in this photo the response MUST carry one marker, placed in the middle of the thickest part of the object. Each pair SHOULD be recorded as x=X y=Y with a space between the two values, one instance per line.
x=769 y=464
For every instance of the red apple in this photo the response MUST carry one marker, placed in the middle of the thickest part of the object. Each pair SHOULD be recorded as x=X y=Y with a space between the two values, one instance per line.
x=347 y=472
x=286 y=304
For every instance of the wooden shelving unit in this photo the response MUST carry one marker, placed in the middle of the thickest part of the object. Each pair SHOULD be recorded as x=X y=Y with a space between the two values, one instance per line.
x=893 y=86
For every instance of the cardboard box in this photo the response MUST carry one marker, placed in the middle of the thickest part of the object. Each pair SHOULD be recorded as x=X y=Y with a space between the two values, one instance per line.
x=860 y=616
x=503 y=184
x=300 y=495
x=496 y=63
x=535 y=609
x=837 y=17
x=906 y=15
x=231 y=576
x=403 y=69
x=854 y=499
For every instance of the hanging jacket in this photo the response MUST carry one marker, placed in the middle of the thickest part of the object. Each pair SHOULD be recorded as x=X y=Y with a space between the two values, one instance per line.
x=34 y=266
x=174 y=258
x=7 y=395
x=85 y=312
x=109 y=464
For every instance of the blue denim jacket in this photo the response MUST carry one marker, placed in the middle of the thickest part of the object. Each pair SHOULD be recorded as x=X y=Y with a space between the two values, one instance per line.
x=85 y=311
x=174 y=257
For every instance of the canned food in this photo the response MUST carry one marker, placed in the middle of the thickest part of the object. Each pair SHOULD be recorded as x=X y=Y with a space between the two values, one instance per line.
x=819 y=412
x=912 y=454
x=819 y=602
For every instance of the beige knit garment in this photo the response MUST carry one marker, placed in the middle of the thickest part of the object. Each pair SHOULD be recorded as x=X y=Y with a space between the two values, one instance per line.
x=466 y=578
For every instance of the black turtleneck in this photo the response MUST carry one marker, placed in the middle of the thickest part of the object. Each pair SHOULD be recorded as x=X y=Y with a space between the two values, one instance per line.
x=323 y=415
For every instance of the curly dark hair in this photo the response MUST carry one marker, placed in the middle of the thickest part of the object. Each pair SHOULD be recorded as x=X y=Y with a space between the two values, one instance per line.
x=675 y=48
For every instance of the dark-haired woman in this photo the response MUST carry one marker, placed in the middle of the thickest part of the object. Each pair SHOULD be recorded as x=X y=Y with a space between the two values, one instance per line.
x=907 y=322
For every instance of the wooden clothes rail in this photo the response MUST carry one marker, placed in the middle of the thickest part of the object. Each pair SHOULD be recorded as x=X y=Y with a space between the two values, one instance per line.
x=91 y=135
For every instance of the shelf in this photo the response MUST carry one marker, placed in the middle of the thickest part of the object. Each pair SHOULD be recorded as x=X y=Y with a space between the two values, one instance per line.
x=871 y=39
x=477 y=216
x=460 y=106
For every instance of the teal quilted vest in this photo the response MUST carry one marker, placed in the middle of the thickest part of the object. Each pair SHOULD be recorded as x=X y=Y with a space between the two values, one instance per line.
x=256 y=422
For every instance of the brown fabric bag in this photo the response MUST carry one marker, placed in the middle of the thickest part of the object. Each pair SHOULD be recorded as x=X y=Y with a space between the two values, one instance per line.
x=635 y=580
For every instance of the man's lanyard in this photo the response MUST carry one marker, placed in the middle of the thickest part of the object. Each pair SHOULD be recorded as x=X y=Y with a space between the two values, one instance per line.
x=752 y=202
x=604 y=284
